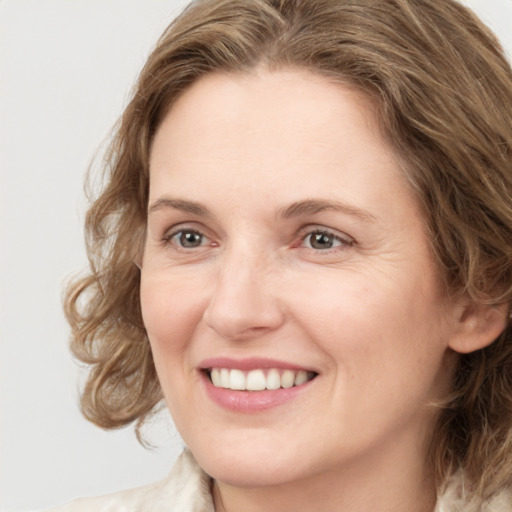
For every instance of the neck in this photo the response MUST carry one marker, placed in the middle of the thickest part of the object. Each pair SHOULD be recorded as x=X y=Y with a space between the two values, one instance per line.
x=392 y=484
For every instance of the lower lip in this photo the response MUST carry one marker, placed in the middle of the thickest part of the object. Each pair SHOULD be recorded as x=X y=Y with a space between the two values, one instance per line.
x=251 y=401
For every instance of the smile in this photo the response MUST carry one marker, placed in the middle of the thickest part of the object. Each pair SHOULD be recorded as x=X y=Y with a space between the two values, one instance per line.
x=258 y=379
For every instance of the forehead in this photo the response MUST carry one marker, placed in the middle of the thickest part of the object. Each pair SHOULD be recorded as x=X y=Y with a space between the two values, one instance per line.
x=266 y=140
x=264 y=119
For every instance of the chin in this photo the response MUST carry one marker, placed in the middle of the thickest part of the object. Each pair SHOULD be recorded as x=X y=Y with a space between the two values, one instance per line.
x=259 y=465
x=253 y=472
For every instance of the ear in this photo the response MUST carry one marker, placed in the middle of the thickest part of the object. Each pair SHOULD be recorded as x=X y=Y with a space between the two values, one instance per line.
x=477 y=325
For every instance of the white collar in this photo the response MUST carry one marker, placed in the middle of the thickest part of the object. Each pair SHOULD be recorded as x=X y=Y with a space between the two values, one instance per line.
x=188 y=489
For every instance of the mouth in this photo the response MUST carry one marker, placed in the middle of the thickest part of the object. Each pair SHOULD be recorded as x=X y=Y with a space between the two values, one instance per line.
x=259 y=379
x=254 y=385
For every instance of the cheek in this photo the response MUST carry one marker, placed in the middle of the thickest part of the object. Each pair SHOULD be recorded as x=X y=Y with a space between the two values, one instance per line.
x=344 y=310
x=376 y=329
x=171 y=311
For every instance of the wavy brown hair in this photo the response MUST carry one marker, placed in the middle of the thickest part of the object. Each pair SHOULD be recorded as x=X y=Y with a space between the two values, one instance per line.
x=443 y=91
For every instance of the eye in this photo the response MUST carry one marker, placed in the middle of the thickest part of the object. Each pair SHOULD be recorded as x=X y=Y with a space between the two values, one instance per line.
x=324 y=240
x=186 y=238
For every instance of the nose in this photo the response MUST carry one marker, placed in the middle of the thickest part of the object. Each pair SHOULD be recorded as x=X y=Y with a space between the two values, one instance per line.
x=245 y=302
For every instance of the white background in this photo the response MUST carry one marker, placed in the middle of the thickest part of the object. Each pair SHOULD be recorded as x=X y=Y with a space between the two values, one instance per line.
x=66 y=69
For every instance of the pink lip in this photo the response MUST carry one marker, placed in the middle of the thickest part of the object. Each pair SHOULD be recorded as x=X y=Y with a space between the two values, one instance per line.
x=249 y=401
x=249 y=364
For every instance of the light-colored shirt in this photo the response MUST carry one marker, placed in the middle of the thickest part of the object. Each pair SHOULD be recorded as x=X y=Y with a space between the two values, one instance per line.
x=188 y=489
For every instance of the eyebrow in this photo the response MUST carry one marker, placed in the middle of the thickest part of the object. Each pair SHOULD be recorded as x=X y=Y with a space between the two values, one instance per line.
x=179 y=204
x=296 y=209
x=314 y=206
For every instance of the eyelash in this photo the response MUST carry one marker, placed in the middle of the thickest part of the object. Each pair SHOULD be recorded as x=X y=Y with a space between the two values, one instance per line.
x=168 y=238
x=343 y=241
x=340 y=242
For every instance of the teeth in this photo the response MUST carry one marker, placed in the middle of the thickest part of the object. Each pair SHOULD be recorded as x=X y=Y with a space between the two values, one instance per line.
x=287 y=379
x=300 y=378
x=273 y=379
x=237 y=380
x=224 y=378
x=215 y=376
x=258 y=380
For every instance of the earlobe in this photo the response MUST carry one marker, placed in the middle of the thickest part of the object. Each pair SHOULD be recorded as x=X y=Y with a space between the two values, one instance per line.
x=477 y=326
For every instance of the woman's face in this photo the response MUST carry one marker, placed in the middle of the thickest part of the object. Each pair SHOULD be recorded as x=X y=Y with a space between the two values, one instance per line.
x=284 y=248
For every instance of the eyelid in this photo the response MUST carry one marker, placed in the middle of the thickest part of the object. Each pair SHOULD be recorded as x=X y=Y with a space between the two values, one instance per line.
x=315 y=228
x=172 y=232
x=305 y=231
x=176 y=229
x=184 y=226
x=174 y=235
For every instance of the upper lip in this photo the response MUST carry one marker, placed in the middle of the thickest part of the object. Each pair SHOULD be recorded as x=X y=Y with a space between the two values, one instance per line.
x=248 y=364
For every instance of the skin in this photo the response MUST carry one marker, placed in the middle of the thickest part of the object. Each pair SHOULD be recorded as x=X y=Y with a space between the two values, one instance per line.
x=366 y=314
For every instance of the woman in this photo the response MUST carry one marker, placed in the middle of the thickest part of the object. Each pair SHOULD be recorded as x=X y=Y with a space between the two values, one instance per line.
x=304 y=246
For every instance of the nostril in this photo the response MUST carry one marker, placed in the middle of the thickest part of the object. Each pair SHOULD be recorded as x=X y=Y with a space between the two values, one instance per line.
x=240 y=318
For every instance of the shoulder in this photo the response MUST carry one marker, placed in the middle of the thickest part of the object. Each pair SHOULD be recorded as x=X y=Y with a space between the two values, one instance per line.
x=186 y=489
x=453 y=500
